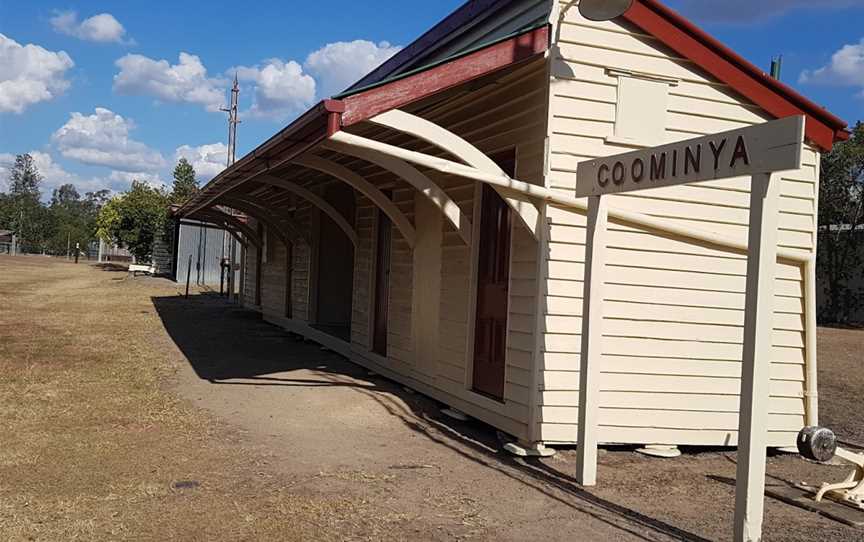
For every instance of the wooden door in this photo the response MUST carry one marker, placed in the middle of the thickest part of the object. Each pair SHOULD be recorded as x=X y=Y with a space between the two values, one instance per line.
x=382 y=285
x=493 y=281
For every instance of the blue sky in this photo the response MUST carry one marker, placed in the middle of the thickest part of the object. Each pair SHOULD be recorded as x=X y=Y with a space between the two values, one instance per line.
x=99 y=91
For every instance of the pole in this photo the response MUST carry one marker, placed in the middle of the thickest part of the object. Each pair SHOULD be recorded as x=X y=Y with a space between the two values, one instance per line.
x=592 y=336
x=188 y=275
x=68 y=244
x=232 y=272
x=233 y=121
x=756 y=367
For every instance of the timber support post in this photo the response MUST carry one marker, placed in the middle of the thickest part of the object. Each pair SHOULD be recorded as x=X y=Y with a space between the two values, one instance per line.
x=756 y=367
x=591 y=355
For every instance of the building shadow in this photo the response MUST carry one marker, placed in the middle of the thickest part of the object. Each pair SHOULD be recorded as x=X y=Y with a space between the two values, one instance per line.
x=228 y=345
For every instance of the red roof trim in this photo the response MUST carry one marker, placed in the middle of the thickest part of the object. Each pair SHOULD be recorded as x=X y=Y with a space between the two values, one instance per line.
x=335 y=114
x=690 y=41
x=365 y=105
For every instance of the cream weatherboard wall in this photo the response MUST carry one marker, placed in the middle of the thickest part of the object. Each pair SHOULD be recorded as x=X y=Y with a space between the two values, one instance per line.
x=431 y=348
x=507 y=115
x=674 y=307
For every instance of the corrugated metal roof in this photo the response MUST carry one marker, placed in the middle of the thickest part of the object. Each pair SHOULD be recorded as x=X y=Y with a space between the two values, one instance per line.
x=476 y=24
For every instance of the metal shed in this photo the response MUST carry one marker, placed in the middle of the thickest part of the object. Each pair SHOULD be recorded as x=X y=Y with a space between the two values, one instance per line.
x=204 y=246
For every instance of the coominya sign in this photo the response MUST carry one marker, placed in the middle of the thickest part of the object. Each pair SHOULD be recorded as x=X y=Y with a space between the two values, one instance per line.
x=773 y=146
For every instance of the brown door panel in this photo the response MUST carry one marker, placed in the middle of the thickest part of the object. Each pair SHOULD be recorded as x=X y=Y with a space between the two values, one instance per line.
x=493 y=283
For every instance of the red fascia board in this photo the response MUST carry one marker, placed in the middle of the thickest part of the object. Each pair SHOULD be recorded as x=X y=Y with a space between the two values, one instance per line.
x=365 y=105
x=693 y=43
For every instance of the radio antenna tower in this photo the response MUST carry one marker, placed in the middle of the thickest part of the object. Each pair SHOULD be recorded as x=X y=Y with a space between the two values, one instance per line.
x=233 y=121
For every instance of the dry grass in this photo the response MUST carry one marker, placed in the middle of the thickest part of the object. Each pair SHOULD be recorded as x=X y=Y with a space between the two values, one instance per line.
x=93 y=447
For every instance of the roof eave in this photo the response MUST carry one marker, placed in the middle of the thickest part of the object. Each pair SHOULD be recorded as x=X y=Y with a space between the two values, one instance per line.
x=728 y=66
x=326 y=112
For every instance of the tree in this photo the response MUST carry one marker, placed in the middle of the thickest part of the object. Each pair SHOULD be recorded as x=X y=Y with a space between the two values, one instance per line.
x=135 y=219
x=74 y=220
x=96 y=200
x=24 y=178
x=20 y=209
x=185 y=184
x=841 y=227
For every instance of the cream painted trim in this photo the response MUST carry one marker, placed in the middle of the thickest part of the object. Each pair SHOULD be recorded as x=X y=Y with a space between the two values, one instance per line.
x=755 y=373
x=567 y=202
x=473 y=270
x=811 y=392
x=537 y=369
x=591 y=349
x=618 y=72
x=366 y=188
x=315 y=200
x=409 y=174
x=811 y=377
x=446 y=140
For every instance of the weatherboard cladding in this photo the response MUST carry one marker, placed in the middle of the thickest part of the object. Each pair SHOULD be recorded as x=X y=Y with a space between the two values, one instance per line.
x=674 y=309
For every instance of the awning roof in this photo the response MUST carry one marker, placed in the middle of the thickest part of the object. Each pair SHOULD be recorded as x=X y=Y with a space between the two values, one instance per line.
x=332 y=115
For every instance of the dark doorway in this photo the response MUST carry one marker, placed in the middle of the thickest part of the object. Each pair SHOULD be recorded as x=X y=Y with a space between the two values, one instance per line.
x=493 y=282
x=289 y=279
x=382 y=284
x=259 y=263
x=335 y=266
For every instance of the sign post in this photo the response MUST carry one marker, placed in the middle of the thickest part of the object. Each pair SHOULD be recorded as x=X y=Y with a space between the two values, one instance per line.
x=757 y=152
x=592 y=337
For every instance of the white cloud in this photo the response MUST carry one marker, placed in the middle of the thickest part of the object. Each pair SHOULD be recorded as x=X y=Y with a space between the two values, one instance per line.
x=186 y=81
x=208 y=160
x=338 y=65
x=100 y=28
x=280 y=88
x=30 y=74
x=846 y=68
x=748 y=11
x=54 y=176
x=102 y=139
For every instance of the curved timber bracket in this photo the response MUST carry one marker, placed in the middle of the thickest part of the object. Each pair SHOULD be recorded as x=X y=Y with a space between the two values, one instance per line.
x=217 y=223
x=412 y=176
x=213 y=214
x=315 y=200
x=286 y=231
x=342 y=173
x=446 y=140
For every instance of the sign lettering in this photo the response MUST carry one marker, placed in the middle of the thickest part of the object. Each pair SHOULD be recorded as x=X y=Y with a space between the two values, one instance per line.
x=772 y=146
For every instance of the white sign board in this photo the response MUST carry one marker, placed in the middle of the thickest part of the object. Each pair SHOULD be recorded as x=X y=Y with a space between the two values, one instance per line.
x=757 y=152
x=763 y=148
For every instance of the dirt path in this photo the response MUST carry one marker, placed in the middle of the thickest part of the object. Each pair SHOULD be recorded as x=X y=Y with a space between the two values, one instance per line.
x=134 y=414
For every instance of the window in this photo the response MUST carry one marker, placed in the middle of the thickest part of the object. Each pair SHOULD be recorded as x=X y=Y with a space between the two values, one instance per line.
x=640 y=113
